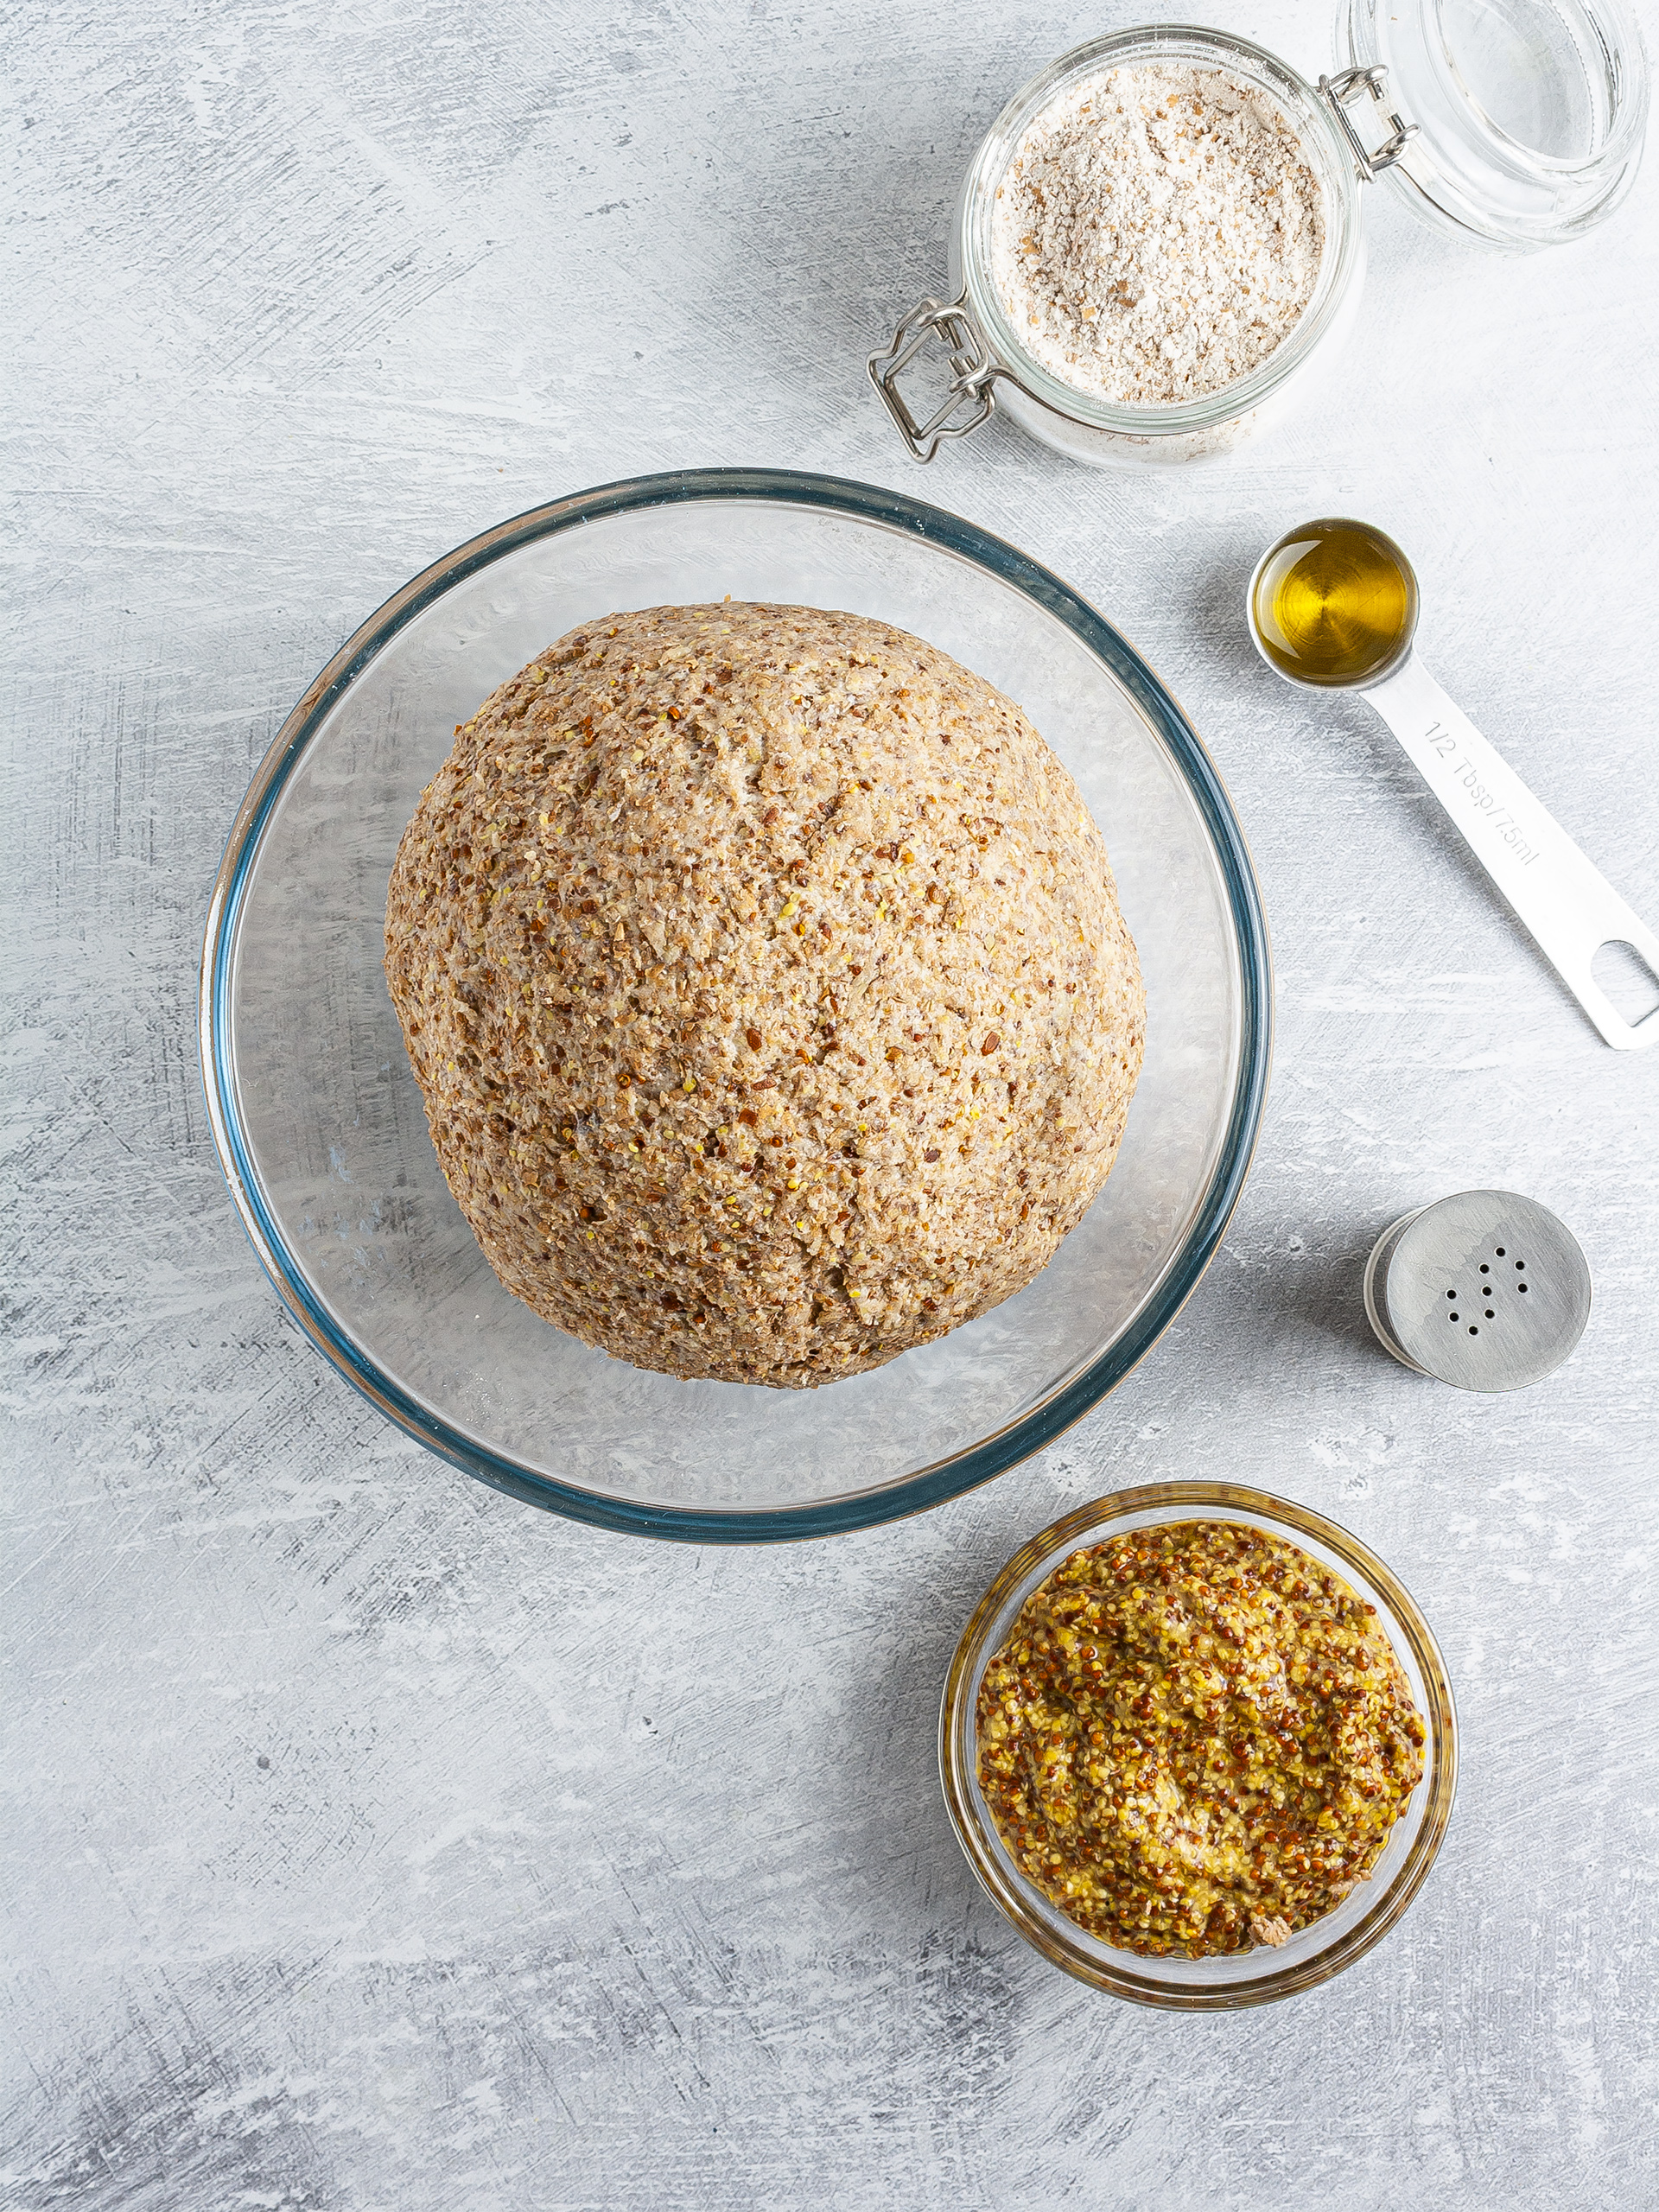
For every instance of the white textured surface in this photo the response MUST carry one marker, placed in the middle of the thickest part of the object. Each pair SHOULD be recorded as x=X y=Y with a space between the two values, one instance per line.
x=376 y=1842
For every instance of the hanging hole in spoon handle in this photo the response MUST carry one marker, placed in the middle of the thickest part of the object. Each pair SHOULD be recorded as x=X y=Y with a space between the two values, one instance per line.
x=1569 y=905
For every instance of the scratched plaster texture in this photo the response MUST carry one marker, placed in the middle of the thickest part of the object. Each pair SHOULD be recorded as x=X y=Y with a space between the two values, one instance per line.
x=371 y=1841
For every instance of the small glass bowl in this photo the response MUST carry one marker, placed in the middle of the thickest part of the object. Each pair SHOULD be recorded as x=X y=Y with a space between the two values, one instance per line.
x=1314 y=1953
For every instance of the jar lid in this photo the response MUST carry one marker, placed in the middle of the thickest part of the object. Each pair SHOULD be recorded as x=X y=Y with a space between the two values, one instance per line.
x=1486 y=1290
x=1520 y=121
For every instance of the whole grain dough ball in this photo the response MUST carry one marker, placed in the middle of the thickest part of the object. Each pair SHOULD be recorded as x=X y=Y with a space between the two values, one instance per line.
x=762 y=971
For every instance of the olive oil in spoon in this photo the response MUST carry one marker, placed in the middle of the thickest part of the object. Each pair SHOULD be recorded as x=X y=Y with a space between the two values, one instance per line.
x=1334 y=605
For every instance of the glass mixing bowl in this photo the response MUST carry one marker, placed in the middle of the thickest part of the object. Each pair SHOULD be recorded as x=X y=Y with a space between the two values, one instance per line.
x=1314 y=1953
x=319 y=1122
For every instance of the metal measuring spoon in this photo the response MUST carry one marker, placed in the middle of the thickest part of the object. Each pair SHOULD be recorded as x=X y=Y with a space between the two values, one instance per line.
x=1569 y=906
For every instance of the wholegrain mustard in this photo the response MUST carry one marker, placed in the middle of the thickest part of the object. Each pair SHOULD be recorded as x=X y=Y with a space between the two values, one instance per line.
x=1196 y=1738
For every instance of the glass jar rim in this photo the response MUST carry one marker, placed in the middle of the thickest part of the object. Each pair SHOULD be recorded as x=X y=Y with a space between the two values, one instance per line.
x=1316 y=129
x=1514 y=151
x=1441 y=178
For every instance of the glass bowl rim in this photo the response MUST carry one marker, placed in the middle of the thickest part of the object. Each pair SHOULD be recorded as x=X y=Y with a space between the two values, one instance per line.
x=1345 y=226
x=941 y=1480
x=1142 y=1984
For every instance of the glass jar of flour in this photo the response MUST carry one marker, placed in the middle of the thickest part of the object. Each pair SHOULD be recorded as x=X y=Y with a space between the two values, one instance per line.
x=1158 y=244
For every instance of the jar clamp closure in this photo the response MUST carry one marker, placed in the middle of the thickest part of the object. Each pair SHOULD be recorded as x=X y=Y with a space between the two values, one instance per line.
x=1518 y=123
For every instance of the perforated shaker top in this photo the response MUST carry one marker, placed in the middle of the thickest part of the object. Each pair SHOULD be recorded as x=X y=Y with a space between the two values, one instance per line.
x=1487 y=1290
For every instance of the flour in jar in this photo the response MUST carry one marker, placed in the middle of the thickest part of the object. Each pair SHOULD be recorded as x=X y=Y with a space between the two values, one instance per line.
x=1158 y=233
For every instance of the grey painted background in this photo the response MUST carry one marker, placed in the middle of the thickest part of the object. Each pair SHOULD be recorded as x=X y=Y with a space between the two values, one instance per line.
x=371 y=1841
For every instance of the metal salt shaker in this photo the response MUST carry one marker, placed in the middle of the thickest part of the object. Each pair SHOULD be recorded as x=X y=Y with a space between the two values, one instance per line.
x=1486 y=1290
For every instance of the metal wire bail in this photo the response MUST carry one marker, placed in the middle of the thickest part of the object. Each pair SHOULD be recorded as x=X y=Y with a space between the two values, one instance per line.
x=1338 y=92
x=973 y=373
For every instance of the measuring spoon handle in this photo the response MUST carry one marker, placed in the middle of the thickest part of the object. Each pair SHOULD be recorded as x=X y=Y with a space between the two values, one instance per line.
x=1569 y=906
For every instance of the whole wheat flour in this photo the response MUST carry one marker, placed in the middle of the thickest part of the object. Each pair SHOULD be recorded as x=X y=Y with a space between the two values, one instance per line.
x=1157 y=234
